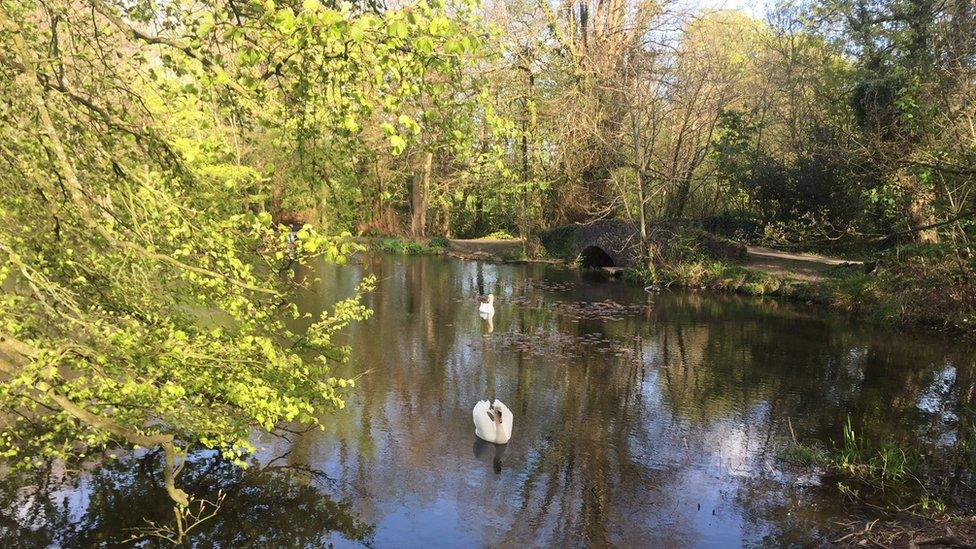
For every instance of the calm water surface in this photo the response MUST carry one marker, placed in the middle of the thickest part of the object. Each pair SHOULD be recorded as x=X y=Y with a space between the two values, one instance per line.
x=640 y=420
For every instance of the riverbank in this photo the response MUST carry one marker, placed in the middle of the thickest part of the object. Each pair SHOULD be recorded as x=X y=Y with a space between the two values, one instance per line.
x=905 y=287
x=909 y=287
x=900 y=494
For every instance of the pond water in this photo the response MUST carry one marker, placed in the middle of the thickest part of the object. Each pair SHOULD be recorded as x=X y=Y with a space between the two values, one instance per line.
x=641 y=419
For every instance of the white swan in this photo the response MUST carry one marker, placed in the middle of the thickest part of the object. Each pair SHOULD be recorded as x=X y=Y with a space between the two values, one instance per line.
x=487 y=306
x=492 y=422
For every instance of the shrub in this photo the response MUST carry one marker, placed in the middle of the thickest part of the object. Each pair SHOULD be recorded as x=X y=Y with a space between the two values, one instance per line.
x=560 y=242
x=391 y=245
x=500 y=235
x=439 y=242
x=513 y=255
x=397 y=246
x=735 y=225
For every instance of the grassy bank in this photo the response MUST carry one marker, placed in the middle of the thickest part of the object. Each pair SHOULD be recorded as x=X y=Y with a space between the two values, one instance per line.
x=909 y=495
x=910 y=286
x=435 y=245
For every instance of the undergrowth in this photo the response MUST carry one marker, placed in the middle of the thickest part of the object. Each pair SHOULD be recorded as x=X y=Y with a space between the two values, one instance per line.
x=926 y=285
x=437 y=244
x=500 y=235
x=886 y=475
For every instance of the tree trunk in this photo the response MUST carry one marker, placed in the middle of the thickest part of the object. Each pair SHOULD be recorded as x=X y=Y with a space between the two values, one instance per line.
x=418 y=222
x=527 y=127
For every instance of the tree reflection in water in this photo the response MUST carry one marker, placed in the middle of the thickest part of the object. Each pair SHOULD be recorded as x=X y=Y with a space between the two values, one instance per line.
x=674 y=442
x=275 y=505
x=608 y=448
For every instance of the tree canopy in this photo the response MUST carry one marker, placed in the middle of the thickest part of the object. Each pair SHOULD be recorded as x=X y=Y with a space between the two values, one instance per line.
x=146 y=286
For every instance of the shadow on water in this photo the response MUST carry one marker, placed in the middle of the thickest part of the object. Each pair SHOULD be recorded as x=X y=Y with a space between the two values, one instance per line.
x=639 y=418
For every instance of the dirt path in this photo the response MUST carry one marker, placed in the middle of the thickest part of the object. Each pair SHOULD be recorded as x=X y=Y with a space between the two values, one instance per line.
x=808 y=267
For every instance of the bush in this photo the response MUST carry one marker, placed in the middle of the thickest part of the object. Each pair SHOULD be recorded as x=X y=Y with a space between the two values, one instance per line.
x=560 y=242
x=513 y=255
x=734 y=225
x=500 y=235
x=397 y=246
x=439 y=242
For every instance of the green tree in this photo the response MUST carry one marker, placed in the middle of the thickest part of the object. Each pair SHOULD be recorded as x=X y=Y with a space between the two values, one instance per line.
x=146 y=292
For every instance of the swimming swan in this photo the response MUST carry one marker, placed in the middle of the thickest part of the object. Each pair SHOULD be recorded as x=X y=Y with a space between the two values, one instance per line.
x=492 y=422
x=487 y=306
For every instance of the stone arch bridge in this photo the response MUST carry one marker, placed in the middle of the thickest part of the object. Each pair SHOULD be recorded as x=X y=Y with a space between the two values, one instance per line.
x=616 y=243
x=596 y=244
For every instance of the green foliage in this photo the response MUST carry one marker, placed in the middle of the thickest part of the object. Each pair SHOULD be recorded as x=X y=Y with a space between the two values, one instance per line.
x=738 y=225
x=886 y=473
x=805 y=193
x=513 y=255
x=499 y=235
x=893 y=471
x=147 y=296
x=397 y=246
x=439 y=242
x=560 y=242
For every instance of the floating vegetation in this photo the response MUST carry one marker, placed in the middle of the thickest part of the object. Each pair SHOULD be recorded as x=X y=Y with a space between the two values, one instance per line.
x=527 y=301
x=599 y=343
x=540 y=342
x=597 y=310
x=559 y=345
x=530 y=284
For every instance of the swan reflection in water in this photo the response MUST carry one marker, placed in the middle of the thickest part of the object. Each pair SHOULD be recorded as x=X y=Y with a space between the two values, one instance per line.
x=490 y=325
x=486 y=451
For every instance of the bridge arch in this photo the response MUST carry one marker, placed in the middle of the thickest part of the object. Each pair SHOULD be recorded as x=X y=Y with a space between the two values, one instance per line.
x=595 y=257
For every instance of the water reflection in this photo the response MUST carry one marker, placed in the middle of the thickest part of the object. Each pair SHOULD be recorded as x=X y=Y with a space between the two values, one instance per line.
x=270 y=505
x=640 y=418
x=487 y=452
x=614 y=447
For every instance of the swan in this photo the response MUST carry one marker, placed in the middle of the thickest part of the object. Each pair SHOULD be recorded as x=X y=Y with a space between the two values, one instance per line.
x=492 y=421
x=487 y=306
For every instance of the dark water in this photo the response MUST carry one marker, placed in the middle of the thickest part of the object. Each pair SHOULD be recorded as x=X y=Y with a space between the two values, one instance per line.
x=640 y=420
